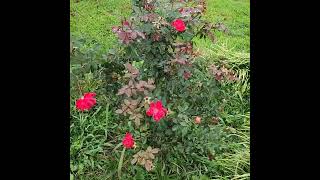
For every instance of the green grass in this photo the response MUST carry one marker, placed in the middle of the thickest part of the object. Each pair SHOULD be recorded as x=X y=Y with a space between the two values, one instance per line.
x=94 y=19
x=94 y=136
x=235 y=15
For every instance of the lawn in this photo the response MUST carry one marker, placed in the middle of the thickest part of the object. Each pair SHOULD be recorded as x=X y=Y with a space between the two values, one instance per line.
x=95 y=137
x=94 y=19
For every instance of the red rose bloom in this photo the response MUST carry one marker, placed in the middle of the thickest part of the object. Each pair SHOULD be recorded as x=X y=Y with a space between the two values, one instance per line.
x=86 y=102
x=128 y=141
x=157 y=111
x=179 y=25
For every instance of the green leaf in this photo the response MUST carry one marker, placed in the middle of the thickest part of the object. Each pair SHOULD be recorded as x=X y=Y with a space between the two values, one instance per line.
x=183 y=124
x=174 y=128
x=139 y=175
x=184 y=131
x=187 y=36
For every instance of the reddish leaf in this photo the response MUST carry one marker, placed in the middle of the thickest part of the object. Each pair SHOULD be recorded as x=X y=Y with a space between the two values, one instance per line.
x=134 y=102
x=115 y=29
x=134 y=91
x=151 y=87
x=133 y=35
x=130 y=83
x=180 y=60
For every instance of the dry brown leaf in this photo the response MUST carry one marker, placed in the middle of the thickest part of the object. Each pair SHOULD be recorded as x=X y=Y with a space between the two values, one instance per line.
x=148 y=165
x=141 y=161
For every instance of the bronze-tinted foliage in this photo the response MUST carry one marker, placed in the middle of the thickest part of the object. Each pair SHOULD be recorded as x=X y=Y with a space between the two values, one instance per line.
x=134 y=92
x=184 y=48
x=149 y=17
x=126 y=33
x=134 y=87
x=206 y=30
x=215 y=120
x=132 y=108
x=145 y=158
x=222 y=73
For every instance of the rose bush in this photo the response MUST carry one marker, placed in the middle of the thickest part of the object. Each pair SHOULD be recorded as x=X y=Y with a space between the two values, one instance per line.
x=167 y=98
x=157 y=51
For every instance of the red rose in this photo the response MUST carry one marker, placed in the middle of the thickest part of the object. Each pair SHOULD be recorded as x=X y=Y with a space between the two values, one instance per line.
x=128 y=141
x=86 y=102
x=156 y=110
x=179 y=25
